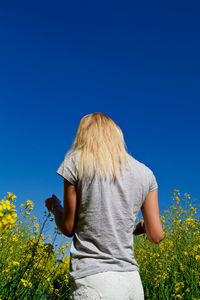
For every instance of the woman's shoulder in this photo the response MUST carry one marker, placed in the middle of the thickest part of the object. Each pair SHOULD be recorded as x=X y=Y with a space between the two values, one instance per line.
x=139 y=165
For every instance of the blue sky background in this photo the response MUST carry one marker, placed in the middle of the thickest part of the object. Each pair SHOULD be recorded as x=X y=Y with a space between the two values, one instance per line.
x=137 y=61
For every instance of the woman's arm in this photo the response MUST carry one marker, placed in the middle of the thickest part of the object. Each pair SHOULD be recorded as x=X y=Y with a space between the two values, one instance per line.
x=58 y=213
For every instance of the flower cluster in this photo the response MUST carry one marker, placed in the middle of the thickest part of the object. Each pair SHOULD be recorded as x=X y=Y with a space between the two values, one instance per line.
x=7 y=212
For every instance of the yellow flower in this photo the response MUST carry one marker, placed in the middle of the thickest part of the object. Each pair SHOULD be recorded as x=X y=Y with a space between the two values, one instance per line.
x=178 y=286
x=33 y=218
x=29 y=202
x=9 y=194
x=197 y=257
x=5 y=204
x=13 y=197
x=14 y=238
x=195 y=247
x=26 y=283
x=63 y=249
x=5 y=221
x=181 y=267
x=13 y=220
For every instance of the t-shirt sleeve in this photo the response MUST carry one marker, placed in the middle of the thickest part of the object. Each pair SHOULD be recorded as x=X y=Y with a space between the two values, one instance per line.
x=153 y=183
x=68 y=169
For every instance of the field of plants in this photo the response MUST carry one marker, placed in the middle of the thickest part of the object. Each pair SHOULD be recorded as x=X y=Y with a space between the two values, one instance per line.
x=30 y=268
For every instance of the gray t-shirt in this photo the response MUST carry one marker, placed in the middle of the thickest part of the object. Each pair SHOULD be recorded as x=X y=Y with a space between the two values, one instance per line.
x=103 y=240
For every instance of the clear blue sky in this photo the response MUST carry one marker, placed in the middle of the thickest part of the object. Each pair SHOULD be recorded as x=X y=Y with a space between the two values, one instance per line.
x=136 y=61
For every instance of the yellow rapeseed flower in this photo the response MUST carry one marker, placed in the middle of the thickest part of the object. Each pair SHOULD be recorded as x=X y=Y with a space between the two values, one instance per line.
x=4 y=221
x=181 y=266
x=13 y=197
x=177 y=199
x=5 y=204
x=197 y=257
x=26 y=283
x=63 y=249
x=14 y=238
x=178 y=286
x=196 y=247
x=9 y=194
x=29 y=203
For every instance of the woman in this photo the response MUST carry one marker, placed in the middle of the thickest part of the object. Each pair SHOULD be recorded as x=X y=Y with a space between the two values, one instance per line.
x=104 y=189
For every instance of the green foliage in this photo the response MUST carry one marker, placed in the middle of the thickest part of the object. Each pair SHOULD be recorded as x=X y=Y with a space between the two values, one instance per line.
x=31 y=269
x=171 y=269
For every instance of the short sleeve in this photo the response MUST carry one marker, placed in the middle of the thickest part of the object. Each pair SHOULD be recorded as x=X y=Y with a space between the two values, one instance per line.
x=68 y=169
x=153 y=182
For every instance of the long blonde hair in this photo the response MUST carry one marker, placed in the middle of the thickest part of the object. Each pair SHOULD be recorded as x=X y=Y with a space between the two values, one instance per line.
x=99 y=146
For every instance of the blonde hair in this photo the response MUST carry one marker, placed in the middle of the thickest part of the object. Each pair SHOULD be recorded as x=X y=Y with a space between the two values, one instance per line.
x=99 y=146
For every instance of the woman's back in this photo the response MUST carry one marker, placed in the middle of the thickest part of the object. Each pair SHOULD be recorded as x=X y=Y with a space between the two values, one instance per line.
x=103 y=240
x=109 y=189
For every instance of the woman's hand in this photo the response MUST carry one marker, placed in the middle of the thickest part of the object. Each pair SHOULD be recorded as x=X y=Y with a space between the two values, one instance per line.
x=140 y=228
x=50 y=201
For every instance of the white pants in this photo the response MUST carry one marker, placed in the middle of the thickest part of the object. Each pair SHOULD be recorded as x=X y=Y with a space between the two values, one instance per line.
x=109 y=285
